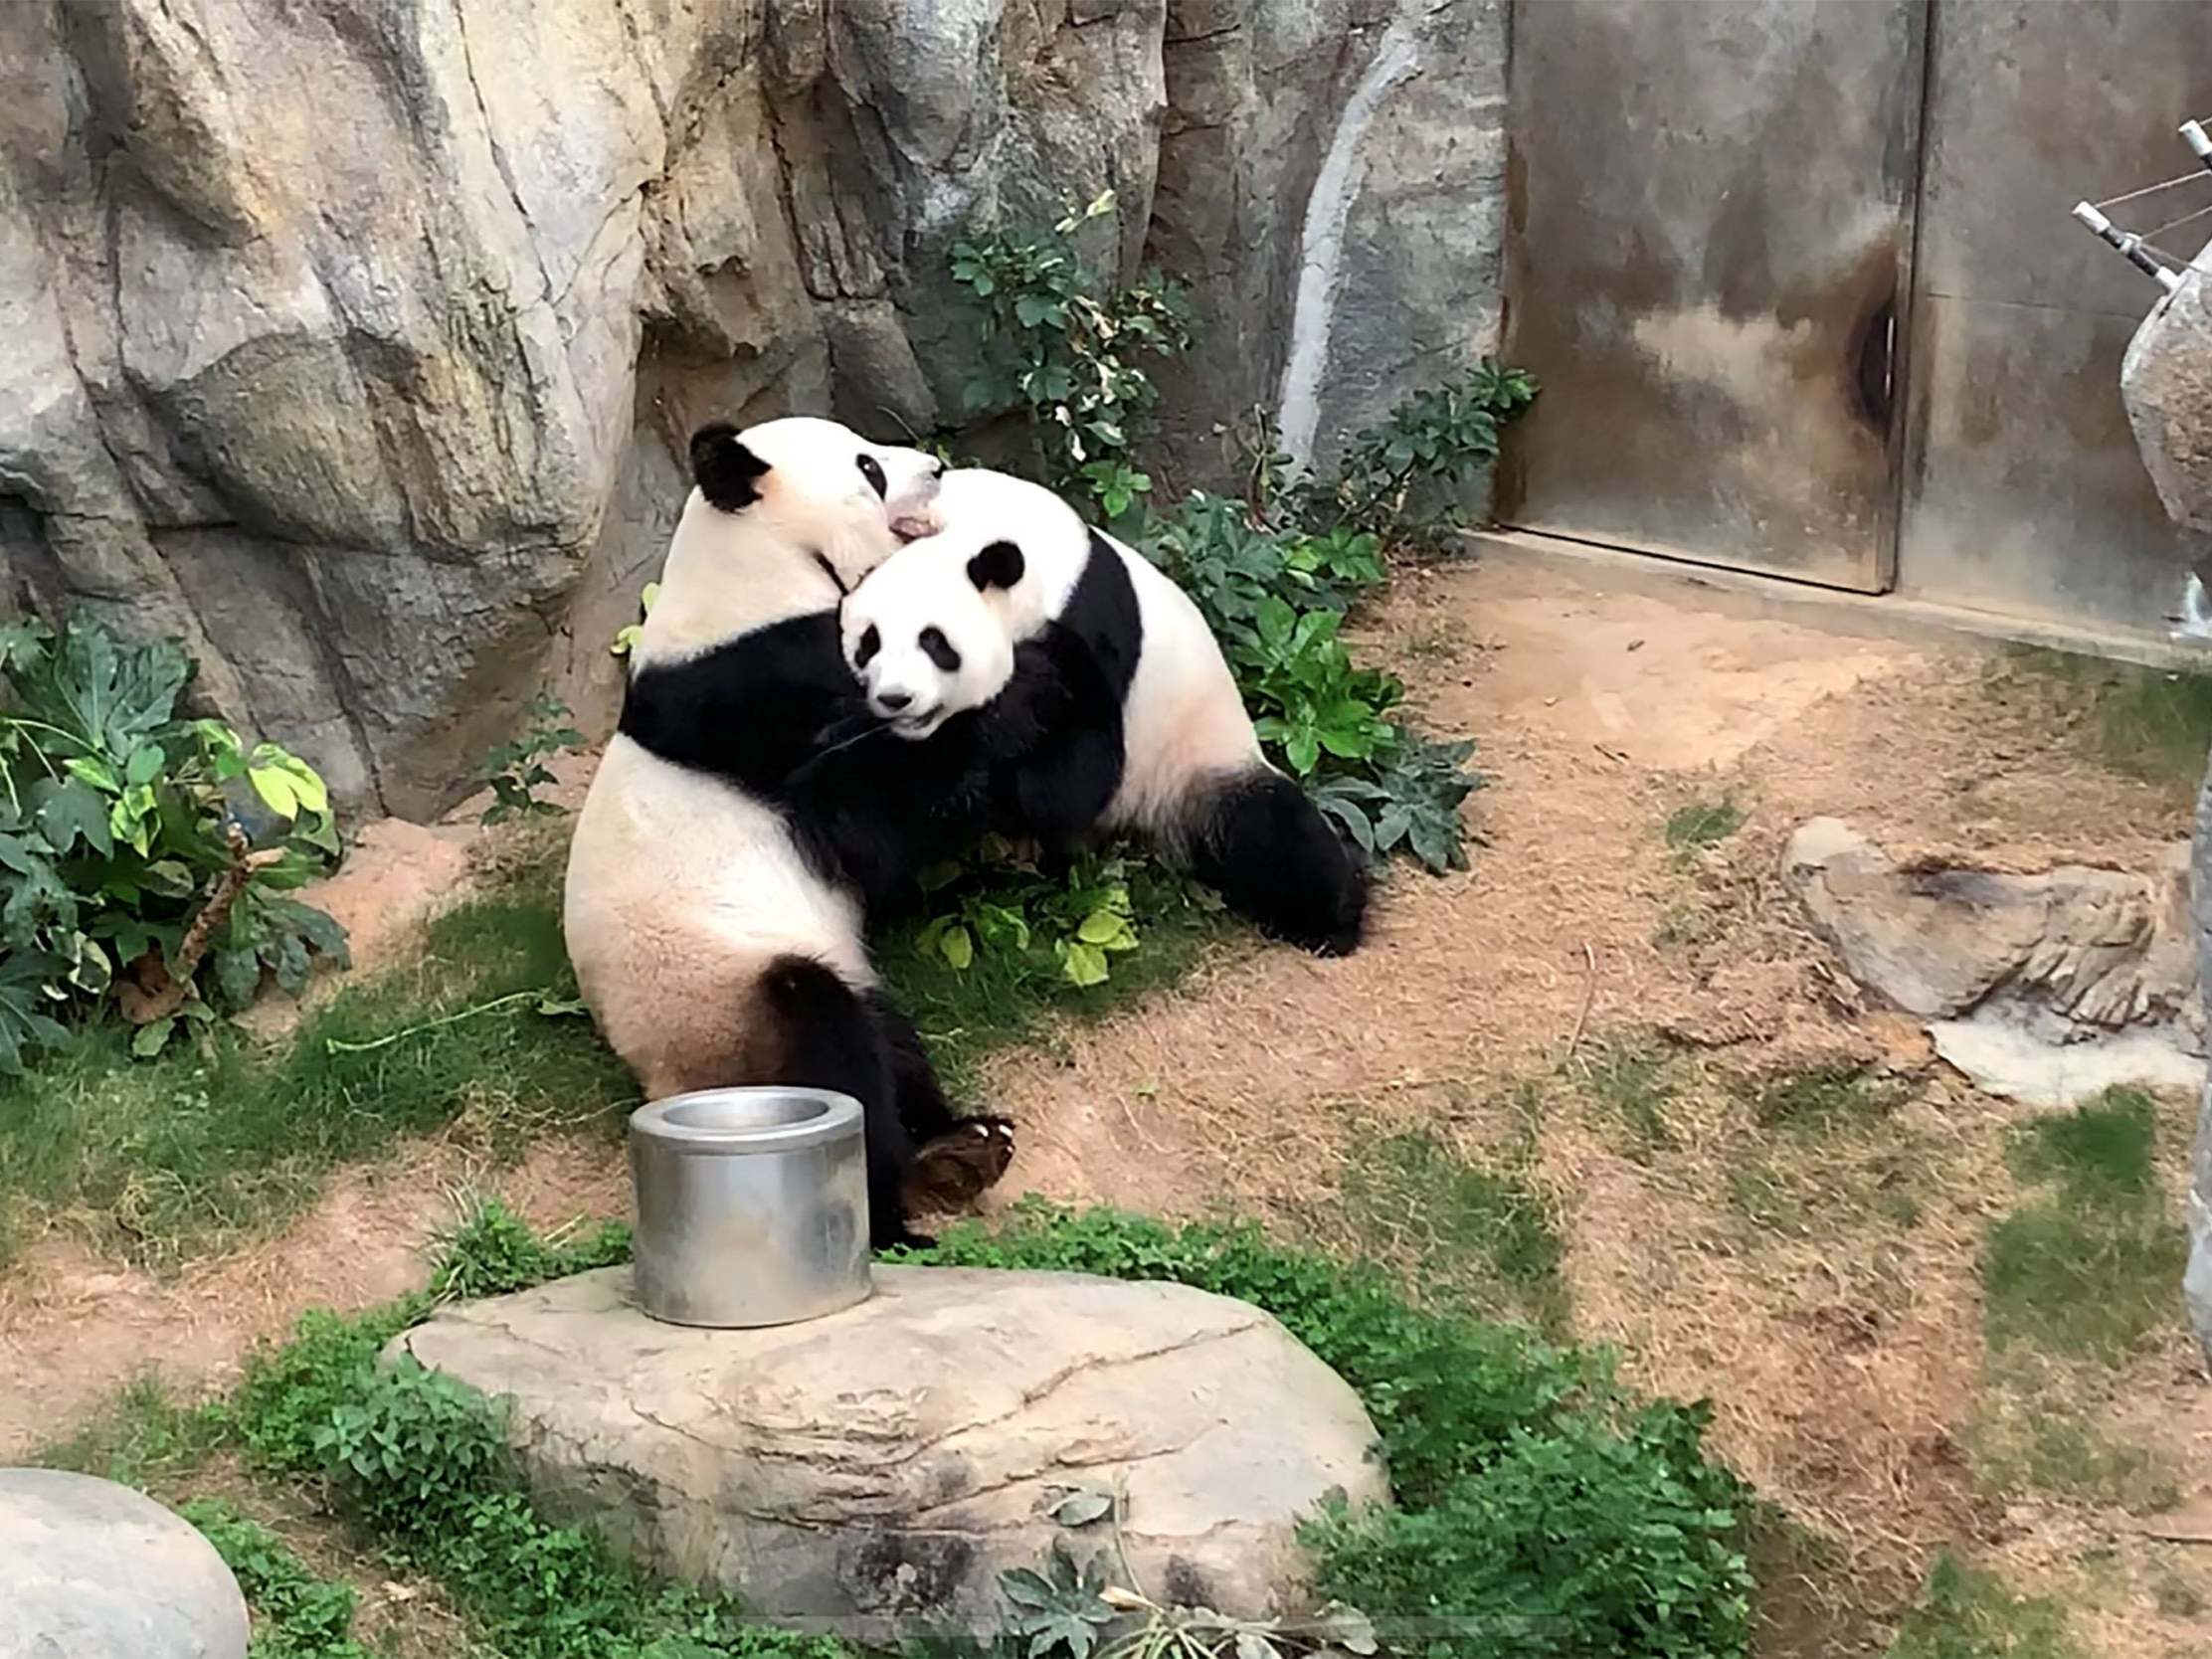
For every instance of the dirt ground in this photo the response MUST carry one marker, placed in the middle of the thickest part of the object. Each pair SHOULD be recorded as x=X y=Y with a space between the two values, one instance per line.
x=1845 y=1355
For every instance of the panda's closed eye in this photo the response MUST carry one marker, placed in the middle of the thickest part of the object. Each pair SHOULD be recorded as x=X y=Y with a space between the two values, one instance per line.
x=939 y=650
x=871 y=643
x=872 y=470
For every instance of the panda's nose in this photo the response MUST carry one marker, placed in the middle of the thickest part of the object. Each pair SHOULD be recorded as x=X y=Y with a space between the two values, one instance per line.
x=893 y=702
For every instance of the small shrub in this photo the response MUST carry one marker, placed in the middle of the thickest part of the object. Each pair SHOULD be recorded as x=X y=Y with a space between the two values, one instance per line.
x=296 y=1615
x=1698 y=824
x=128 y=856
x=1067 y=351
x=514 y=772
x=991 y=903
x=494 y=1252
x=1438 y=435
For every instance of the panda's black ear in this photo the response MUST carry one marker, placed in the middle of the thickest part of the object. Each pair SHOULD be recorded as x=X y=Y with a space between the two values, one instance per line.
x=726 y=472
x=998 y=566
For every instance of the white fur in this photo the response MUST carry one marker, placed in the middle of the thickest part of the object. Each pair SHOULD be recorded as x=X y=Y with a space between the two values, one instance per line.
x=1184 y=721
x=680 y=887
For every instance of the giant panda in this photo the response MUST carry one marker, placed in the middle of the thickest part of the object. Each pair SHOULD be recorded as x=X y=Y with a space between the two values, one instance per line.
x=1127 y=715
x=723 y=861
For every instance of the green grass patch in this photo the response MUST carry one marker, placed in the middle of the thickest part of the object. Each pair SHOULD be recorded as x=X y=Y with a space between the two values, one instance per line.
x=1821 y=1099
x=1965 y=1612
x=1636 y=1084
x=1697 y=824
x=2089 y=1266
x=2103 y=1146
x=2145 y=722
x=2042 y=1444
x=2068 y=1278
x=1474 y=1237
x=167 y=1156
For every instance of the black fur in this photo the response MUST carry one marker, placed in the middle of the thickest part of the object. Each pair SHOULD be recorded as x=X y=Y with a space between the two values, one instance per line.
x=726 y=472
x=832 y=1037
x=998 y=565
x=1264 y=847
x=1054 y=735
x=777 y=713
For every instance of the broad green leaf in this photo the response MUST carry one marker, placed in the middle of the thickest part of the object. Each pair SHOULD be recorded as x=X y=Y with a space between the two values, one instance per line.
x=144 y=764
x=27 y=987
x=1303 y=751
x=95 y=772
x=1083 y=964
x=72 y=811
x=152 y=1038
x=1080 y=1508
x=959 y=948
x=1277 y=621
x=276 y=789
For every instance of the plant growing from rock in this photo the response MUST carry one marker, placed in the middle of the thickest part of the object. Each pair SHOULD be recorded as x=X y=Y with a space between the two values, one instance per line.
x=514 y=772
x=1065 y=349
x=142 y=855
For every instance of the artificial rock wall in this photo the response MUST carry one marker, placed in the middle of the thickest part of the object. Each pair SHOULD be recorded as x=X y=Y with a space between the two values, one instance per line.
x=354 y=341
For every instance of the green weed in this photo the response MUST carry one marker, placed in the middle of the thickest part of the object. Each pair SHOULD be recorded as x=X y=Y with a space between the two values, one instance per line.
x=1698 y=824
x=143 y=1436
x=296 y=1615
x=1480 y=1238
x=494 y=1251
x=1966 y=1613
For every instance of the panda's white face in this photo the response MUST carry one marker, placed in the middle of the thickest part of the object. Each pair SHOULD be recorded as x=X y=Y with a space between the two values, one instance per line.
x=819 y=485
x=926 y=636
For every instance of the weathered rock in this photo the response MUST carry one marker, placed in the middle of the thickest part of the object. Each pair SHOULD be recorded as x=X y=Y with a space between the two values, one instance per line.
x=89 y=1570
x=2041 y=987
x=886 y=1463
x=355 y=344
x=2166 y=381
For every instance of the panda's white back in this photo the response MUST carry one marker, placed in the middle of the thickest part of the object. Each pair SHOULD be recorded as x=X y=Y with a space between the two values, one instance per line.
x=1184 y=717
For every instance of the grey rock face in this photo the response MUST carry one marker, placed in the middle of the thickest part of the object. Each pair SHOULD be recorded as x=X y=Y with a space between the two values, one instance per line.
x=2042 y=987
x=89 y=1570
x=354 y=343
x=886 y=1463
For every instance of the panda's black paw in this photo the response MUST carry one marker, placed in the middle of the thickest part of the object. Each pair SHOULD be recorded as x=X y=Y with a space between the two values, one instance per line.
x=952 y=1171
x=906 y=1238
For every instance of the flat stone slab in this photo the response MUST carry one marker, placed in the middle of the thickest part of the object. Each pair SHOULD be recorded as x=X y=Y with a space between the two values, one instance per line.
x=89 y=1570
x=885 y=1463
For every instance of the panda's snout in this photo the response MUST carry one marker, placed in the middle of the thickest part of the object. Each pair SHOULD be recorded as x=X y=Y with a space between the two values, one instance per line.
x=890 y=702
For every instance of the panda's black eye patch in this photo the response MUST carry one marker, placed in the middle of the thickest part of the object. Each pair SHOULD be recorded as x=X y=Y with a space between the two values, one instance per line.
x=871 y=643
x=939 y=650
x=872 y=470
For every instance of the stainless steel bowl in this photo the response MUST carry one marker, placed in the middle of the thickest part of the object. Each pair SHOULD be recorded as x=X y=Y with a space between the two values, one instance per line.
x=751 y=1206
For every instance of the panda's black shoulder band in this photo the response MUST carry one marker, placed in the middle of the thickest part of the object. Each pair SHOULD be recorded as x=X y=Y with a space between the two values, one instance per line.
x=829 y=570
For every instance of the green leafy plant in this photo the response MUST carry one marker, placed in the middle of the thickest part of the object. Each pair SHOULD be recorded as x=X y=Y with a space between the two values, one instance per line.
x=1076 y=1610
x=128 y=861
x=514 y=772
x=627 y=637
x=1005 y=906
x=494 y=1251
x=1067 y=351
x=296 y=1615
x=1392 y=476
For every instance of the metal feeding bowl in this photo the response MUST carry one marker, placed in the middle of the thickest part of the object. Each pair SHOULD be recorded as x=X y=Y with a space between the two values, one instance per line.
x=751 y=1206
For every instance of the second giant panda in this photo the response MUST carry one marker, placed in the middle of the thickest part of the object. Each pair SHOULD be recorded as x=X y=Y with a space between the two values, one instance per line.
x=1128 y=714
x=722 y=863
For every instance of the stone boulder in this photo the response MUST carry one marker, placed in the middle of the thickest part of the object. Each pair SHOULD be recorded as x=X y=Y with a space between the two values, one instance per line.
x=89 y=1570
x=2043 y=987
x=885 y=1464
x=2165 y=380
x=356 y=344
